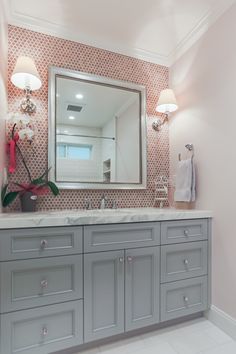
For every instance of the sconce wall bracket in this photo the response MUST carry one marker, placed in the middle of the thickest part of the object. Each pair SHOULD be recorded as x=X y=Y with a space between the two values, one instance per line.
x=157 y=124
x=27 y=105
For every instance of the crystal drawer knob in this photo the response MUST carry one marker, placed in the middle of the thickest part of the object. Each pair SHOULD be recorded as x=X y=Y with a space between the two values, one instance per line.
x=186 y=232
x=121 y=260
x=185 y=299
x=44 y=331
x=186 y=262
x=44 y=244
x=129 y=259
x=44 y=284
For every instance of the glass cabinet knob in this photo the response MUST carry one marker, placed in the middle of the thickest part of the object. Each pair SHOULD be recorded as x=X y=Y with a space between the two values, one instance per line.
x=44 y=331
x=185 y=299
x=44 y=284
x=186 y=262
x=44 y=244
x=186 y=232
x=129 y=259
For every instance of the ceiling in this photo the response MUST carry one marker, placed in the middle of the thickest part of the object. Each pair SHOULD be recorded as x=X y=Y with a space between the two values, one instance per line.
x=158 y=31
x=99 y=103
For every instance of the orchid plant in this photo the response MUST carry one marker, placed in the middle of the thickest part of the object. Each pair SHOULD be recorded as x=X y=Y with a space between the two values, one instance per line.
x=23 y=130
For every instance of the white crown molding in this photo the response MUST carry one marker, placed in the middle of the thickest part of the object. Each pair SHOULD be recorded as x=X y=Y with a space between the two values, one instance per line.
x=203 y=25
x=38 y=25
x=222 y=320
x=46 y=27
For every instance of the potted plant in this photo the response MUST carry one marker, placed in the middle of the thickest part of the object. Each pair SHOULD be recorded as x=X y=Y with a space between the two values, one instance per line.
x=28 y=192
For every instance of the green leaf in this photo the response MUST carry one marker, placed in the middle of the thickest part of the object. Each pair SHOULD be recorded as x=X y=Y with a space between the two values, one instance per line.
x=9 y=198
x=53 y=188
x=40 y=179
x=3 y=192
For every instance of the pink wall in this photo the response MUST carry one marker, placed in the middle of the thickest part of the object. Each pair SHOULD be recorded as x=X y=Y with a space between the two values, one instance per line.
x=48 y=50
x=205 y=83
x=3 y=82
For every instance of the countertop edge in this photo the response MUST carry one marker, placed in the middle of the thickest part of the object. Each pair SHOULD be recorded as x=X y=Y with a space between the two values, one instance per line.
x=83 y=218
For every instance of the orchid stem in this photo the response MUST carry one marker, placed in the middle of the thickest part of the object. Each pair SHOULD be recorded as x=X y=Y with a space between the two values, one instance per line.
x=21 y=155
x=24 y=163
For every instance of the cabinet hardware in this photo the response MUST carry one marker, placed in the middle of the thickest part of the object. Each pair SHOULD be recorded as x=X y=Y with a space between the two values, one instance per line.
x=44 y=244
x=44 y=284
x=44 y=331
x=129 y=259
x=185 y=299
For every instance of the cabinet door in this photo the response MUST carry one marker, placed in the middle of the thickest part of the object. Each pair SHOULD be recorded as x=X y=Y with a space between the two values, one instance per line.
x=103 y=294
x=142 y=278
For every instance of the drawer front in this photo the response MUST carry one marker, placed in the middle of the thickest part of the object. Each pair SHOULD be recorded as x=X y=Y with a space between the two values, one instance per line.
x=183 y=298
x=40 y=242
x=122 y=236
x=31 y=283
x=183 y=261
x=42 y=330
x=184 y=231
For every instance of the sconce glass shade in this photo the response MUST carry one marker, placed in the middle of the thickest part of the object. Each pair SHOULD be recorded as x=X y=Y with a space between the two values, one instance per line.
x=167 y=102
x=25 y=74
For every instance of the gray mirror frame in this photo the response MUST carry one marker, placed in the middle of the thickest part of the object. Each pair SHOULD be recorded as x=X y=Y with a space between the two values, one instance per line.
x=53 y=72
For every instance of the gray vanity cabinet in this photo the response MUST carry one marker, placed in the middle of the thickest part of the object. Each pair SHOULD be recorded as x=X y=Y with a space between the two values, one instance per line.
x=61 y=287
x=103 y=294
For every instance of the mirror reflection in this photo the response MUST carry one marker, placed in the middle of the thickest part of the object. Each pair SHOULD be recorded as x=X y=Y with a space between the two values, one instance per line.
x=98 y=132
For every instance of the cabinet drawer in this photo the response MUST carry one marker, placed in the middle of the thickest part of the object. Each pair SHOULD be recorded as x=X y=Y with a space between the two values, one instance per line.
x=42 y=330
x=183 y=231
x=40 y=242
x=31 y=283
x=182 y=261
x=122 y=236
x=183 y=298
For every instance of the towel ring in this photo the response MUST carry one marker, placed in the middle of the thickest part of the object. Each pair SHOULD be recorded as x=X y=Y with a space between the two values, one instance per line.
x=190 y=148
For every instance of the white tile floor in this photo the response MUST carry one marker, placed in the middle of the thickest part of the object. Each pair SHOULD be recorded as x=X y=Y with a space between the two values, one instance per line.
x=194 y=337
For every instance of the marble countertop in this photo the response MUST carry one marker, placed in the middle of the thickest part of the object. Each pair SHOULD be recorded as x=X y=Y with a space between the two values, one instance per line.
x=93 y=217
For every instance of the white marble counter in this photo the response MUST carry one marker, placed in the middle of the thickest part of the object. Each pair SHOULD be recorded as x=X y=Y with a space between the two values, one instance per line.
x=93 y=217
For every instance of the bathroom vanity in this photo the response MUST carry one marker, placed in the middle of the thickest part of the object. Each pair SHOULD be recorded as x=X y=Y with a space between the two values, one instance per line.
x=72 y=277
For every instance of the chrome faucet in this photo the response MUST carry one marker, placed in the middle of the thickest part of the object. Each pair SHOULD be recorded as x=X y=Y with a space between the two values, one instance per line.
x=88 y=204
x=103 y=202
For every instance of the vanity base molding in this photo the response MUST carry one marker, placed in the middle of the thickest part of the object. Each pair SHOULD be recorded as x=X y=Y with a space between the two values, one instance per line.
x=65 y=287
x=131 y=334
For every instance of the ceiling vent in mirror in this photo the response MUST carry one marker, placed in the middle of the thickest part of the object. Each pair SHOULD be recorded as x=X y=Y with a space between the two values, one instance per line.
x=74 y=108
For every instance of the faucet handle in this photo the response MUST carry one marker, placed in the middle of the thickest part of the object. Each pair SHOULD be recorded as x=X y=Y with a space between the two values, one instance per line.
x=88 y=204
x=114 y=204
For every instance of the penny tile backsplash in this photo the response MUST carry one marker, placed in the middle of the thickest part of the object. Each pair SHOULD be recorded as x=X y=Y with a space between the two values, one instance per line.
x=52 y=51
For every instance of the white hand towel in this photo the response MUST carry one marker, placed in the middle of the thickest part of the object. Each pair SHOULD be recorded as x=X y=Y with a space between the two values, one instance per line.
x=185 y=181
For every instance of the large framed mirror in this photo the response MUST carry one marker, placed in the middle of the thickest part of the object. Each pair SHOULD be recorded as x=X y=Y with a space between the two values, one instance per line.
x=97 y=132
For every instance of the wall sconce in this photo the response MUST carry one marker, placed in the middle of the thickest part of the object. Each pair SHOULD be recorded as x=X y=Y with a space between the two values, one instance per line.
x=166 y=104
x=26 y=77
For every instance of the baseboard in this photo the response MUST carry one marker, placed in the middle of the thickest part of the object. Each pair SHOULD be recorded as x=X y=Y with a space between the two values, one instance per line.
x=222 y=320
